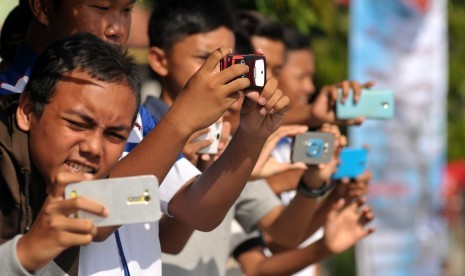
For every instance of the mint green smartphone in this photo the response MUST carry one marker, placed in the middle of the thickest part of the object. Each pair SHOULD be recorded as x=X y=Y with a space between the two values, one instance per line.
x=129 y=199
x=372 y=104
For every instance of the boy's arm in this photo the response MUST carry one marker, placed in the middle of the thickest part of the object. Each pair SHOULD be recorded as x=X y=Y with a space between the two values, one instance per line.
x=206 y=201
x=173 y=235
x=346 y=189
x=286 y=226
x=344 y=227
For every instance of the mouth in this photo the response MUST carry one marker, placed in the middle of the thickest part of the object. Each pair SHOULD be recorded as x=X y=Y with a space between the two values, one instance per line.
x=77 y=167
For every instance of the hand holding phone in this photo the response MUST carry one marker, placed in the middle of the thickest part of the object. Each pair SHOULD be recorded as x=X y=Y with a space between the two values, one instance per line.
x=128 y=199
x=352 y=163
x=257 y=69
x=372 y=104
x=313 y=148
x=214 y=133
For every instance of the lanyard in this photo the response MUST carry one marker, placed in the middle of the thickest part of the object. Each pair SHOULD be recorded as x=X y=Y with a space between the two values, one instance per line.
x=121 y=254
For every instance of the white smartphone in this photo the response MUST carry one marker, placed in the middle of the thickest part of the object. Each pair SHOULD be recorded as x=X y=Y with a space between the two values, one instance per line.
x=129 y=199
x=213 y=133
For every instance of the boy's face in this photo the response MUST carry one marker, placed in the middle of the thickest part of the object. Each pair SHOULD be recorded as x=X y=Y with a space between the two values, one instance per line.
x=274 y=51
x=296 y=78
x=187 y=55
x=109 y=20
x=83 y=128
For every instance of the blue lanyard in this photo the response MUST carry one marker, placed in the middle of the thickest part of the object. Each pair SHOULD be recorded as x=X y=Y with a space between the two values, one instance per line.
x=121 y=254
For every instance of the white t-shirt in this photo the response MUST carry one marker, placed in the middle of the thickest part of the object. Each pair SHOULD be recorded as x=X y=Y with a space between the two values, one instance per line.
x=140 y=242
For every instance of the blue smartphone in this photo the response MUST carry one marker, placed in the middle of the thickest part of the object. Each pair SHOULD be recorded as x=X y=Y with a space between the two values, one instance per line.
x=372 y=104
x=352 y=163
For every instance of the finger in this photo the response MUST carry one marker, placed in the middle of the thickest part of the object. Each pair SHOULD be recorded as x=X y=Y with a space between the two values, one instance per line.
x=65 y=178
x=368 y=84
x=69 y=206
x=232 y=72
x=270 y=87
x=75 y=225
x=357 y=90
x=200 y=144
x=269 y=105
x=197 y=134
x=345 y=86
x=336 y=208
x=238 y=84
x=205 y=157
x=282 y=106
x=351 y=122
x=259 y=52
x=69 y=239
x=214 y=58
x=225 y=132
x=284 y=167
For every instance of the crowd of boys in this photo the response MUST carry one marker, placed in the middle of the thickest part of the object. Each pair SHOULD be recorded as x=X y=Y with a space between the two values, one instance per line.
x=70 y=111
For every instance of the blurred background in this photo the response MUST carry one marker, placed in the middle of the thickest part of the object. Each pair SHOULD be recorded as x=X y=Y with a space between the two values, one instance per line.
x=329 y=25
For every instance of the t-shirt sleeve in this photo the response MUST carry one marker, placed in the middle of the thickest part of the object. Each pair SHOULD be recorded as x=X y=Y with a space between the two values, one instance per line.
x=256 y=200
x=9 y=261
x=180 y=174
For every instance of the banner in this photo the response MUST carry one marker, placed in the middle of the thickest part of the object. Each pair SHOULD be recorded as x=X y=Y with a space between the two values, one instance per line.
x=402 y=45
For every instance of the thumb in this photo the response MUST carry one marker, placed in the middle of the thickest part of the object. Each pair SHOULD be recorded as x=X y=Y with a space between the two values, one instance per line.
x=250 y=102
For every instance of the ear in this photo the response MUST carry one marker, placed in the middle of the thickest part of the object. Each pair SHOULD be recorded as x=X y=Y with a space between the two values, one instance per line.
x=158 y=61
x=24 y=112
x=39 y=10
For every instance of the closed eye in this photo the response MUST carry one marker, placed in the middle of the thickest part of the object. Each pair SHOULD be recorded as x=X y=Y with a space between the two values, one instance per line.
x=77 y=125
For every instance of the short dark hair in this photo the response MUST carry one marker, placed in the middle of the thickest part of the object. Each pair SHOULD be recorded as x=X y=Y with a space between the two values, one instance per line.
x=172 y=20
x=13 y=32
x=295 y=40
x=80 y=52
x=249 y=23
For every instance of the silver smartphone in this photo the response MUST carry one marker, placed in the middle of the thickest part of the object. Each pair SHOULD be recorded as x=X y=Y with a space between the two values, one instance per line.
x=129 y=199
x=313 y=148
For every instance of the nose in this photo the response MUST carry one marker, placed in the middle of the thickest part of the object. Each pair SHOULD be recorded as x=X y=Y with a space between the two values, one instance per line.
x=116 y=29
x=91 y=146
x=309 y=86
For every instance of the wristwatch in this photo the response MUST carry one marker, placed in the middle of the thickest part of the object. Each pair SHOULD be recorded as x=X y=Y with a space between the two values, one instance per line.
x=304 y=190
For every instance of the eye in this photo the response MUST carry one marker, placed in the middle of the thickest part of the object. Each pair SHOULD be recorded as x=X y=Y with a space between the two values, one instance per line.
x=115 y=137
x=129 y=10
x=102 y=8
x=76 y=125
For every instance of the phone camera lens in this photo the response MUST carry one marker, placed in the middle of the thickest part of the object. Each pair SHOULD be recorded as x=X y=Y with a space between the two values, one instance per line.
x=147 y=198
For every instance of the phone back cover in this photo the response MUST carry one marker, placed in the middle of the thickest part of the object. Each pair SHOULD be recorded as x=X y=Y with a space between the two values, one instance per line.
x=125 y=198
x=300 y=148
x=352 y=163
x=373 y=104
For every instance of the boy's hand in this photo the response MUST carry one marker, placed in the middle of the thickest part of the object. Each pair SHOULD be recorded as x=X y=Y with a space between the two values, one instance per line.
x=316 y=175
x=266 y=164
x=323 y=108
x=209 y=93
x=262 y=114
x=350 y=189
x=54 y=231
x=346 y=225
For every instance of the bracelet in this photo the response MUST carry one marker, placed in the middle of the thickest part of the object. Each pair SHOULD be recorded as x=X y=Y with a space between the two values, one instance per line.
x=304 y=190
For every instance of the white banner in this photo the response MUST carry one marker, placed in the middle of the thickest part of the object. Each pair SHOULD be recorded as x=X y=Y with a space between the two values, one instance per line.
x=402 y=45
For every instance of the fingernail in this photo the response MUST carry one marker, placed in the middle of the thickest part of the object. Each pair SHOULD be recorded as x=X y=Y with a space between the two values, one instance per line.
x=261 y=101
x=271 y=111
x=262 y=111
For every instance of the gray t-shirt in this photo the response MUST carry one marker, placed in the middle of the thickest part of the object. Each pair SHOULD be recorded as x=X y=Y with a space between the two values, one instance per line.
x=206 y=252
